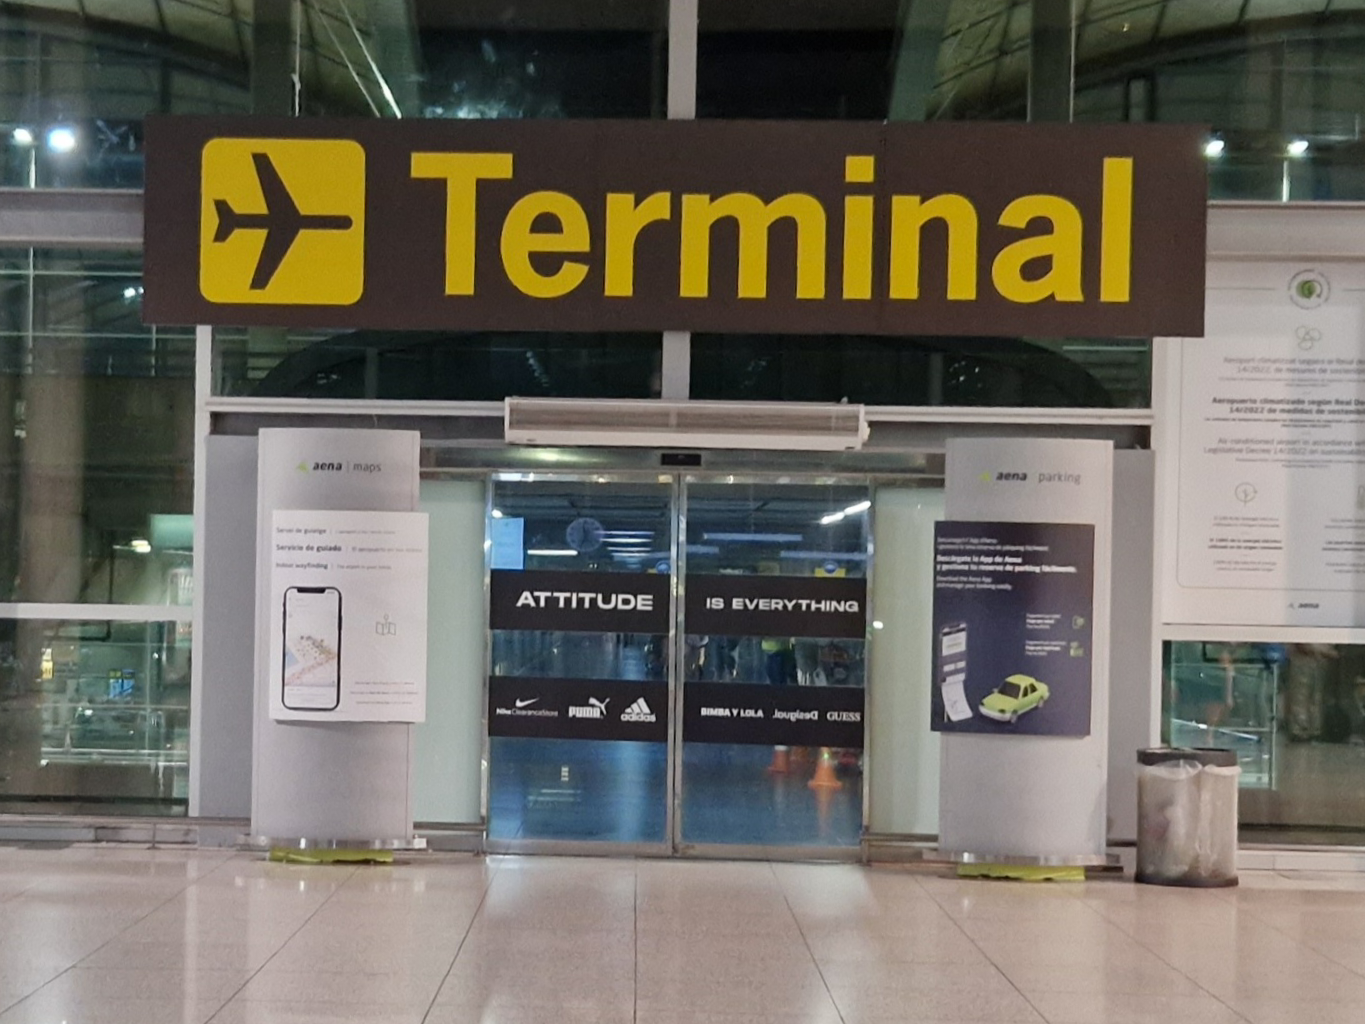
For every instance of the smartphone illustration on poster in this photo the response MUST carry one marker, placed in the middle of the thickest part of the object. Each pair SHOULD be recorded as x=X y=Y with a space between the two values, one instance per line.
x=312 y=649
x=952 y=671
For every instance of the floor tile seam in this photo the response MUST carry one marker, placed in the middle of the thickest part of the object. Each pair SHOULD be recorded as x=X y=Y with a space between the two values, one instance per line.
x=819 y=971
x=18 y=892
x=989 y=959
x=473 y=918
x=1156 y=953
x=251 y=976
x=189 y=884
x=1270 y=923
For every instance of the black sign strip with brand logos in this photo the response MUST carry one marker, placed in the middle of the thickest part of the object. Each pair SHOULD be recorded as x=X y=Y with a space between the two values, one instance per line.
x=578 y=709
x=579 y=602
x=793 y=716
x=824 y=607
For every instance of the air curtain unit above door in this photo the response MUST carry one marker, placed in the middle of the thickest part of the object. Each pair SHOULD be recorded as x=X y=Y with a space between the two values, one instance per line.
x=790 y=426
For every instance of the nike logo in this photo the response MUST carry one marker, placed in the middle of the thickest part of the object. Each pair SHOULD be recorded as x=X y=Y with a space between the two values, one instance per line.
x=526 y=703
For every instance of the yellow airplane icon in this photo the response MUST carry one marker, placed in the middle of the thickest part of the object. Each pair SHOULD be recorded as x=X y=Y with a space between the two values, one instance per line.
x=282 y=221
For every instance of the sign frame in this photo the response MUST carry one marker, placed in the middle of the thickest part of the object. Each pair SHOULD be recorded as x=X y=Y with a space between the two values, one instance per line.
x=759 y=227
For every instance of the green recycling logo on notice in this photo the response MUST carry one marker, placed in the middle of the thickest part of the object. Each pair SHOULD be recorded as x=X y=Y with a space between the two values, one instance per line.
x=1309 y=289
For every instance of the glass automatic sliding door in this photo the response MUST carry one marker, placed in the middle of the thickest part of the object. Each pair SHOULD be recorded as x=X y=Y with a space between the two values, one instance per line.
x=732 y=695
x=772 y=662
x=580 y=614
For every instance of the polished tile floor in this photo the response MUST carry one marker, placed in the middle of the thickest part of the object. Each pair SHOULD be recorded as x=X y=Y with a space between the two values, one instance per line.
x=135 y=936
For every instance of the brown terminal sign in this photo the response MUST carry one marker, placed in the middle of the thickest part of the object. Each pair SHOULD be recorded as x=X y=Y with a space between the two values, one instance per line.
x=781 y=227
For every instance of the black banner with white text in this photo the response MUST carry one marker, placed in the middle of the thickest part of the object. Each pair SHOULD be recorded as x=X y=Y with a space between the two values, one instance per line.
x=824 y=607
x=579 y=602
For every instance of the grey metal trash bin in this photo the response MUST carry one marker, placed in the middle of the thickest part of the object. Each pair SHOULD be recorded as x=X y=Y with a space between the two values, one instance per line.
x=1187 y=816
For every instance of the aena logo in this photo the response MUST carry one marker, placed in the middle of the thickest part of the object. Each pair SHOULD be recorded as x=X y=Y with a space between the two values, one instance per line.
x=338 y=467
x=1008 y=477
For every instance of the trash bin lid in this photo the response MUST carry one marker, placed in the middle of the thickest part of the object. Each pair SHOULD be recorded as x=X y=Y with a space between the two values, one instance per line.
x=1209 y=757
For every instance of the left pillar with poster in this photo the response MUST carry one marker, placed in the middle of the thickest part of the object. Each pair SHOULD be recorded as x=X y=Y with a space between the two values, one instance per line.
x=341 y=637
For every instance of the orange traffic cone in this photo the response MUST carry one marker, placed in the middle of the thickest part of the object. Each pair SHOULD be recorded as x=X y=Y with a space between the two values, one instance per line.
x=781 y=761
x=824 y=772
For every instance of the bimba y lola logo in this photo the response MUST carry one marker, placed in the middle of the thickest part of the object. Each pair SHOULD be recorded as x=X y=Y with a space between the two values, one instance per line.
x=711 y=226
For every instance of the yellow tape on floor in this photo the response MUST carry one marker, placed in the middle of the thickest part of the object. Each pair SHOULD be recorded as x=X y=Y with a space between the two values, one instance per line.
x=1022 y=872
x=285 y=855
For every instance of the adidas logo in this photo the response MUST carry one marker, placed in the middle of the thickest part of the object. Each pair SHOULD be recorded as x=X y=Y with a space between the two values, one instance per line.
x=638 y=712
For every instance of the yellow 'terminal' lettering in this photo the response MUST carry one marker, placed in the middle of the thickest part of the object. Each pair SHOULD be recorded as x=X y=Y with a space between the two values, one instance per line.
x=909 y=214
x=1116 y=229
x=625 y=220
x=520 y=239
x=755 y=219
x=462 y=172
x=1061 y=247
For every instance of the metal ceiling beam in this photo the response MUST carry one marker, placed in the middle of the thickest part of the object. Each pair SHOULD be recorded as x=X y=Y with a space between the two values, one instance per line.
x=1052 y=61
x=87 y=218
x=921 y=29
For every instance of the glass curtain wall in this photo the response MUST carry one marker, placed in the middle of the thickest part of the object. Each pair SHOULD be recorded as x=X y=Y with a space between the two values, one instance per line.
x=1295 y=714
x=886 y=60
x=461 y=61
x=96 y=466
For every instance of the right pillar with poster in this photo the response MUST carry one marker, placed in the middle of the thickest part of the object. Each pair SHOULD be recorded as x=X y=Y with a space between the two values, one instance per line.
x=1021 y=648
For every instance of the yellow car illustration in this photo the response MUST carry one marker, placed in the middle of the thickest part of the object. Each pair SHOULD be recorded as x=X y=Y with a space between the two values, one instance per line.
x=1017 y=694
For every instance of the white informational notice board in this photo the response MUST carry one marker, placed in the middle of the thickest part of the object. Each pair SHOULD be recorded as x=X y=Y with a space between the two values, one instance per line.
x=1267 y=525
x=348 y=616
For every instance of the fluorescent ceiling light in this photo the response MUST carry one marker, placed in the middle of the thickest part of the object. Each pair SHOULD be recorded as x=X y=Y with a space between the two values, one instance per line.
x=552 y=552
x=1214 y=148
x=852 y=510
x=141 y=545
x=1299 y=147
x=22 y=136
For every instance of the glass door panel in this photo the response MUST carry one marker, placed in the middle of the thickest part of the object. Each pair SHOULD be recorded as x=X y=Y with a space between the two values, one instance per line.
x=580 y=615
x=772 y=663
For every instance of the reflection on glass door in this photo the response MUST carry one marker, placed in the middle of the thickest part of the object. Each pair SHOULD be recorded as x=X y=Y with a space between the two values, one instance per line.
x=579 y=613
x=774 y=635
